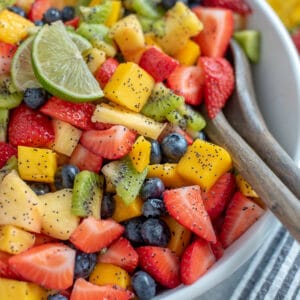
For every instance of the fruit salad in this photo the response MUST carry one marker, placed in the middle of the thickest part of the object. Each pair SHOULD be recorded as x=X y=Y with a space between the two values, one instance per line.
x=109 y=187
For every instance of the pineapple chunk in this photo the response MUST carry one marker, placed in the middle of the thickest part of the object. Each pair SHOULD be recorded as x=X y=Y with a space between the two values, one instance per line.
x=129 y=86
x=204 y=163
x=115 y=14
x=140 y=153
x=36 y=164
x=94 y=58
x=245 y=187
x=189 y=54
x=14 y=240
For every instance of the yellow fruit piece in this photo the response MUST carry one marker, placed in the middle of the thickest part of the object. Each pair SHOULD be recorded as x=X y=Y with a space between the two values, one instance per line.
x=115 y=14
x=60 y=4
x=95 y=2
x=204 y=163
x=180 y=235
x=36 y=164
x=14 y=240
x=13 y=27
x=134 y=56
x=25 y=4
x=140 y=153
x=94 y=58
x=13 y=289
x=124 y=212
x=104 y=273
x=150 y=40
x=130 y=86
x=245 y=187
x=189 y=54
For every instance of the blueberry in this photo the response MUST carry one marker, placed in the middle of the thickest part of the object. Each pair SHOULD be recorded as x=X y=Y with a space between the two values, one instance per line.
x=202 y=136
x=107 y=206
x=167 y=4
x=155 y=154
x=38 y=23
x=51 y=15
x=64 y=176
x=133 y=230
x=173 y=147
x=155 y=232
x=143 y=285
x=154 y=208
x=84 y=264
x=35 y=97
x=152 y=188
x=57 y=297
x=40 y=188
x=68 y=13
x=17 y=10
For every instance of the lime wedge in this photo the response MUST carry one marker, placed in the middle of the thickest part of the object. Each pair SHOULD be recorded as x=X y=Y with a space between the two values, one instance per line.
x=81 y=42
x=60 y=67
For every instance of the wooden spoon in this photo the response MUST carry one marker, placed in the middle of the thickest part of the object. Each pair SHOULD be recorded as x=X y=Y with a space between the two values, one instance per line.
x=243 y=114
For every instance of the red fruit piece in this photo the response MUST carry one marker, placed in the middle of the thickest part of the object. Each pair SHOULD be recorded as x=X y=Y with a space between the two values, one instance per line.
x=217 y=249
x=84 y=290
x=122 y=254
x=187 y=81
x=28 y=127
x=41 y=239
x=7 y=151
x=238 y=6
x=296 y=39
x=158 y=64
x=219 y=83
x=161 y=263
x=218 y=27
x=196 y=259
x=5 y=269
x=49 y=265
x=240 y=215
x=7 y=52
x=73 y=22
x=37 y=10
x=112 y=143
x=93 y=234
x=77 y=114
x=105 y=71
x=218 y=196
x=186 y=206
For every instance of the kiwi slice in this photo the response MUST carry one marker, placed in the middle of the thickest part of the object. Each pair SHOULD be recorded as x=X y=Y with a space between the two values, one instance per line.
x=11 y=164
x=176 y=118
x=87 y=194
x=145 y=8
x=4 y=116
x=9 y=97
x=96 y=14
x=194 y=120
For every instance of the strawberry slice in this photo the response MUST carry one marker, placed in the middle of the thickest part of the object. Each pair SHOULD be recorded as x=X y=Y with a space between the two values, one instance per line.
x=49 y=265
x=218 y=27
x=37 y=10
x=187 y=81
x=7 y=52
x=217 y=249
x=296 y=39
x=30 y=128
x=77 y=114
x=93 y=234
x=105 y=71
x=84 y=290
x=196 y=259
x=218 y=196
x=7 y=151
x=186 y=206
x=122 y=254
x=41 y=239
x=112 y=143
x=161 y=263
x=238 y=6
x=5 y=270
x=219 y=83
x=73 y=22
x=240 y=215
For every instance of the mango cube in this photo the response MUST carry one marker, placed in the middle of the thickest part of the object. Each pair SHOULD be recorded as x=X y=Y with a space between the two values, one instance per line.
x=114 y=14
x=94 y=58
x=36 y=164
x=245 y=187
x=189 y=54
x=130 y=86
x=204 y=163
x=140 y=153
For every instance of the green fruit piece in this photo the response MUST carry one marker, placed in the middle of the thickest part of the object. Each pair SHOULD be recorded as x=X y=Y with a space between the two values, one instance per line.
x=194 y=120
x=97 y=14
x=9 y=98
x=176 y=118
x=60 y=67
x=146 y=23
x=11 y=164
x=81 y=42
x=6 y=3
x=249 y=40
x=87 y=194
x=144 y=8
x=4 y=116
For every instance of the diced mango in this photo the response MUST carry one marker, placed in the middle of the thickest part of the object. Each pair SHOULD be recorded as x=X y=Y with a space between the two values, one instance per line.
x=13 y=27
x=115 y=13
x=130 y=86
x=104 y=273
x=94 y=58
x=124 y=212
x=140 y=153
x=189 y=54
x=36 y=164
x=204 y=163
x=244 y=187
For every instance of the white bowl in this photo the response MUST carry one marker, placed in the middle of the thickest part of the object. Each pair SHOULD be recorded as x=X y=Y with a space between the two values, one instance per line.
x=277 y=84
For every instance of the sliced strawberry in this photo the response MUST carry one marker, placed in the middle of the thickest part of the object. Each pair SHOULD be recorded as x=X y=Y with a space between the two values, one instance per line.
x=77 y=114
x=161 y=263
x=93 y=234
x=238 y=6
x=219 y=83
x=218 y=196
x=106 y=70
x=7 y=52
x=112 y=143
x=296 y=39
x=85 y=159
x=84 y=290
x=7 y=151
x=30 y=128
x=186 y=206
x=196 y=259
x=37 y=10
x=122 y=254
x=240 y=215
x=5 y=270
x=50 y=265
x=218 y=27
x=73 y=22
x=187 y=81
x=217 y=249
x=158 y=64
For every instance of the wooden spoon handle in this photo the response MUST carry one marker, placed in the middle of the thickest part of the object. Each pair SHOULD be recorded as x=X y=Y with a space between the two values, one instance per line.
x=278 y=198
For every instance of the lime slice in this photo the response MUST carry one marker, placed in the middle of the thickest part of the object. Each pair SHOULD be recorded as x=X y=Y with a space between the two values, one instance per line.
x=60 y=67
x=81 y=42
